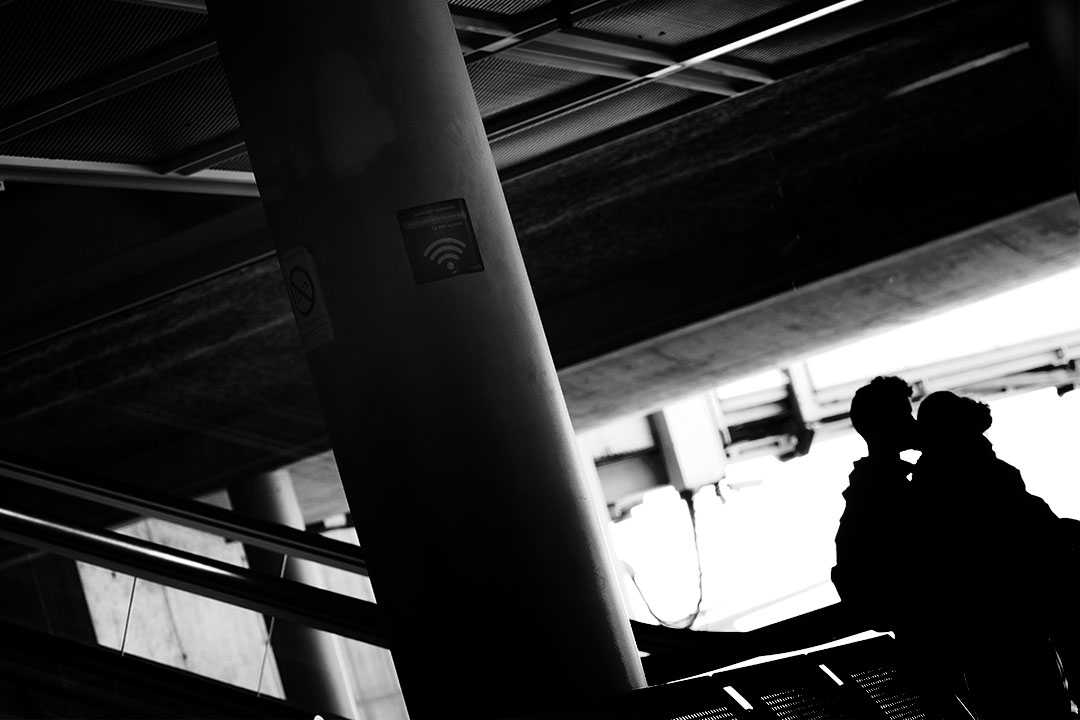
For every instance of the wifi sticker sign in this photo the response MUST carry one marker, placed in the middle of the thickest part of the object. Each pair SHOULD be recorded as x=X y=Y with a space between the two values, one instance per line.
x=440 y=241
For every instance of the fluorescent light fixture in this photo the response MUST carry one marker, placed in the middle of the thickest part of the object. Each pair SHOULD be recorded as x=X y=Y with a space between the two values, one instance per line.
x=738 y=698
x=831 y=674
x=750 y=39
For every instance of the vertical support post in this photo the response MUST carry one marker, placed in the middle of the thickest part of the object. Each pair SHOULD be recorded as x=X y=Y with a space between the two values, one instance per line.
x=596 y=493
x=426 y=349
x=309 y=661
x=805 y=412
x=1054 y=29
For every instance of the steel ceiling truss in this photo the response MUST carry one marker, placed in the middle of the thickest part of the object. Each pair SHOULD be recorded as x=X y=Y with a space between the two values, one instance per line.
x=544 y=37
x=525 y=26
x=205 y=156
x=82 y=94
x=124 y=175
x=769 y=421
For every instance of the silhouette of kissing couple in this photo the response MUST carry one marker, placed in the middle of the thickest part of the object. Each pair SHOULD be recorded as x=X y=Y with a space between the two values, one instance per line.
x=976 y=577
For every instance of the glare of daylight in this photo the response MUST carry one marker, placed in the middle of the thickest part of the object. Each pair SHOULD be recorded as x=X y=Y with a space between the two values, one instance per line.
x=767 y=548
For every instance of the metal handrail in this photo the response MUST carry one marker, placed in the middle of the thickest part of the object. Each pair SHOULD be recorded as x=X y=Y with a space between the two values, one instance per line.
x=285 y=599
x=193 y=514
x=678 y=654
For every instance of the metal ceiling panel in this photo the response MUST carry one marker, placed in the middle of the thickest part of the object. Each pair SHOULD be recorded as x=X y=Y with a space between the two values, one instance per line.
x=499 y=7
x=803 y=40
x=240 y=163
x=45 y=44
x=587 y=122
x=671 y=23
x=501 y=84
x=143 y=126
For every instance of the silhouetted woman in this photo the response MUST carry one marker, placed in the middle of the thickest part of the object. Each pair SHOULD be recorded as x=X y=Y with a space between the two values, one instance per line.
x=987 y=550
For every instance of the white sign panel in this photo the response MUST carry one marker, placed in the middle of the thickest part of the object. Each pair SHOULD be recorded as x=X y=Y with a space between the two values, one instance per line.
x=305 y=292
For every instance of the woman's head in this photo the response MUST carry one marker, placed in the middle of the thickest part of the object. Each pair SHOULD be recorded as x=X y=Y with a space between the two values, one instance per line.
x=947 y=417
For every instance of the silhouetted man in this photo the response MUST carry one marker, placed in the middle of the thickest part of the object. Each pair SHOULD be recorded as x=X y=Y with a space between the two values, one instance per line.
x=876 y=572
x=871 y=557
x=990 y=561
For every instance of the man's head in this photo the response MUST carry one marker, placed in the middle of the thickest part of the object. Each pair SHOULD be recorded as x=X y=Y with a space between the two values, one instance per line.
x=881 y=413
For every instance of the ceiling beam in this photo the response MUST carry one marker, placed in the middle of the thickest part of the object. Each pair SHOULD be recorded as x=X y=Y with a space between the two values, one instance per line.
x=537 y=23
x=916 y=18
x=206 y=155
x=960 y=69
x=1004 y=252
x=905 y=17
x=658 y=118
x=569 y=49
x=82 y=94
x=179 y=174
x=608 y=66
x=196 y=6
x=700 y=52
x=576 y=41
x=497 y=34
x=619 y=132
x=119 y=175
x=150 y=271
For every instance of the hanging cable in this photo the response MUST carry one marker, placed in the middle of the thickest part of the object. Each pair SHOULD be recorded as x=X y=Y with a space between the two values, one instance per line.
x=688 y=621
x=688 y=497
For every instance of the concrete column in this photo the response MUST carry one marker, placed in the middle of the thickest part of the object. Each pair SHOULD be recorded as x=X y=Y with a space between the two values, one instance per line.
x=425 y=345
x=309 y=661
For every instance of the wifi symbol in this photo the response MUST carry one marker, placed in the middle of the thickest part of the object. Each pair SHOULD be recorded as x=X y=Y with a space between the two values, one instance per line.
x=446 y=252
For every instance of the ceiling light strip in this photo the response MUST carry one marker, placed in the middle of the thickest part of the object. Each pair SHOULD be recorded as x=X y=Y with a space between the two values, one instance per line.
x=670 y=70
x=750 y=39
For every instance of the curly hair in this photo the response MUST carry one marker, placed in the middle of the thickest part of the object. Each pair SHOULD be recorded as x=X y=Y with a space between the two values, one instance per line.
x=869 y=400
x=945 y=414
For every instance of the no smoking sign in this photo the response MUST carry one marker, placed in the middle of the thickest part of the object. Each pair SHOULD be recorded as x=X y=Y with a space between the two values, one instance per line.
x=305 y=292
x=302 y=290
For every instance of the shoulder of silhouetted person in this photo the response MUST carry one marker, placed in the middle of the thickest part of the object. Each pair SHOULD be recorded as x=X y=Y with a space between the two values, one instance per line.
x=1007 y=478
x=878 y=479
x=877 y=467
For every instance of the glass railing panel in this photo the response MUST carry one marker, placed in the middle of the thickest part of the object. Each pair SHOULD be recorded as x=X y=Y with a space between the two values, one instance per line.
x=342 y=667
x=48 y=598
x=373 y=678
x=146 y=620
x=214 y=639
x=109 y=596
x=203 y=636
x=374 y=682
x=43 y=592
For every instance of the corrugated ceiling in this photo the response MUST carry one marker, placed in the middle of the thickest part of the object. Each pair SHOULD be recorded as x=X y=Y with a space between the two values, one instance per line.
x=51 y=51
